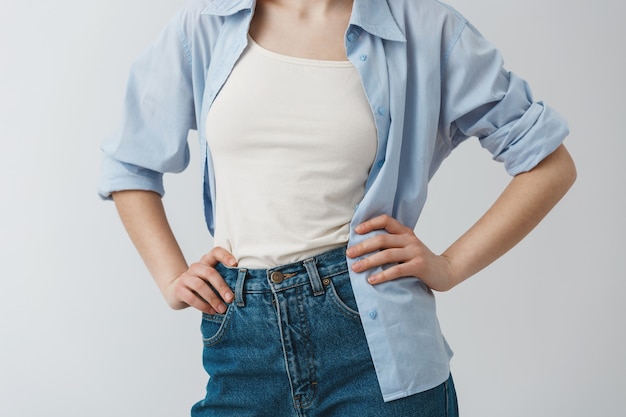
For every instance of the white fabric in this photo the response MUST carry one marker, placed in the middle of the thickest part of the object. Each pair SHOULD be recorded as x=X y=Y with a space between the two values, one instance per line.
x=292 y=141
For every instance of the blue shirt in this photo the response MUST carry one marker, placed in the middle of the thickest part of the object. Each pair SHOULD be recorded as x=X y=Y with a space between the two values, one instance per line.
x=431 y=80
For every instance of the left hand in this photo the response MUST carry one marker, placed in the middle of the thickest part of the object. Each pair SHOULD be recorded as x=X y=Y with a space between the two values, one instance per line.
x=400 y=246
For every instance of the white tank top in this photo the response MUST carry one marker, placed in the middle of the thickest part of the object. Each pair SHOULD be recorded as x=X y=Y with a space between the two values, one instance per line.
x=292 y=141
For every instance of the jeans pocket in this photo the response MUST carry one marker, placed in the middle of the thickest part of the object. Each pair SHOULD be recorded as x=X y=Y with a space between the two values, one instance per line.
x=340 y=292
x=214 y=326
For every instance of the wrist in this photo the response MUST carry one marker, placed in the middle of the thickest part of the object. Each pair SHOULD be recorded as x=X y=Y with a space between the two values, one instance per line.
x=449 y=274
x=169 y=293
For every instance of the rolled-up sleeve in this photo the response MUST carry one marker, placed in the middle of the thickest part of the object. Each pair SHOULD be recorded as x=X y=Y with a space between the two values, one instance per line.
x=158 y=113
x=480 y=98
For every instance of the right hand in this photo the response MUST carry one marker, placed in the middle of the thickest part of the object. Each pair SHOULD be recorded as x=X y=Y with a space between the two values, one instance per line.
x=201 y=286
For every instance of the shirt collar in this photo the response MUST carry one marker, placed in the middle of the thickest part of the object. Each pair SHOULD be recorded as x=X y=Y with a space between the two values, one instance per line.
x=372 y=16
x=227 y=7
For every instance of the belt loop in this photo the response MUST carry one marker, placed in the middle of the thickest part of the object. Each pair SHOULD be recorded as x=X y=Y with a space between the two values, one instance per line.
x=241 y=277
x=314 y=276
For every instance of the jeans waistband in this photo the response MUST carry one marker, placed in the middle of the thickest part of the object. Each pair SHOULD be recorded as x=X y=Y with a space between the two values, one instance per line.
x=312 y=270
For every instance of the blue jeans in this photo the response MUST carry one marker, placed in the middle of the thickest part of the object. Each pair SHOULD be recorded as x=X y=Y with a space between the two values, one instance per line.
x=292 y=344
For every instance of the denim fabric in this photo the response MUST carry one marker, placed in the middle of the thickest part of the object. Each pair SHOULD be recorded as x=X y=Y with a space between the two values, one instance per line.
x=292 y=344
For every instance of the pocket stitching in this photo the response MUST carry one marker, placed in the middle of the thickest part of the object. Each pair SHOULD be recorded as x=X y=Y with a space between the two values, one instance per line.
x=343 y=307
x=221 y=331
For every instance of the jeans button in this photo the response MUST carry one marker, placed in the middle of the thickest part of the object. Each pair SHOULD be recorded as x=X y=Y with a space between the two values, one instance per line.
x=277 y=277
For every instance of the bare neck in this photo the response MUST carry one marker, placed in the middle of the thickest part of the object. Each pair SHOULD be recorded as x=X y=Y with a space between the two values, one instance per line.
x=304 y=28
x=309 y=7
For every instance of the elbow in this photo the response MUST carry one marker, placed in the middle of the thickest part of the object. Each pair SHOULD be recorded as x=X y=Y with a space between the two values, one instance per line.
x=557 y=172
x=568 y=169
x=560 y=171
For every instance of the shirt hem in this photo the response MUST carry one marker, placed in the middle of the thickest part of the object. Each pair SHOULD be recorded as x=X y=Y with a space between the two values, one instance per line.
x=406 y=393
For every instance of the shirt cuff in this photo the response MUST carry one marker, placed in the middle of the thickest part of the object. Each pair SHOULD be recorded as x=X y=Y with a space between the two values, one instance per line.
x=120 y=176
x=536 y=135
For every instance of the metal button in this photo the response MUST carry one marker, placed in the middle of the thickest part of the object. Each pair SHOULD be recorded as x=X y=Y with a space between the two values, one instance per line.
x=326 y=282
x=277 y=277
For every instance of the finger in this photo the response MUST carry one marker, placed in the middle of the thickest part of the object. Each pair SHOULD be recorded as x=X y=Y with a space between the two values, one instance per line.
x=388 y=256
x=397 y=271
x=193 y=299
x=213 y=281
x=376 y=243
x=199 y=303
x=381 y=222
x=219 y=255
x=206 y=293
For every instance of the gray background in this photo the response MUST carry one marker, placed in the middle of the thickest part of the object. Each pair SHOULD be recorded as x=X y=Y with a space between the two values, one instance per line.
x=84 y=331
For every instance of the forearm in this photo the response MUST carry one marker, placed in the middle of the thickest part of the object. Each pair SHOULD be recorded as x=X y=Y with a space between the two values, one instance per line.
x=144 y=218
x=522 y=205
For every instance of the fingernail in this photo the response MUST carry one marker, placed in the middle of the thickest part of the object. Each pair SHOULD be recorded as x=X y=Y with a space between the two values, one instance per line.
x=228 y=297
x=232 y=262
x=373 y=279
x=357 y=266
x=350 y=252
x=221 y=308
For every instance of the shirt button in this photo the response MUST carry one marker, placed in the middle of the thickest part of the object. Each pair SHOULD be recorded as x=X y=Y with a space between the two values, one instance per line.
x=363 y=57
x=277 y=277
x=351 y=36
x=382 y=110
x=373 y=314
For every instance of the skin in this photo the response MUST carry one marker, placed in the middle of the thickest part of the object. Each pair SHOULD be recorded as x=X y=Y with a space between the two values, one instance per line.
x=315 y=29
x=312 y=29
x=520 y=207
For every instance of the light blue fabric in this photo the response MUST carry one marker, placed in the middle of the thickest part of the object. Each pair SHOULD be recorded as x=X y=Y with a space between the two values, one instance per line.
x=432 y=81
